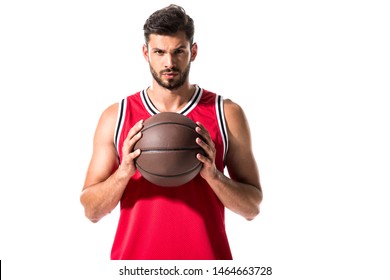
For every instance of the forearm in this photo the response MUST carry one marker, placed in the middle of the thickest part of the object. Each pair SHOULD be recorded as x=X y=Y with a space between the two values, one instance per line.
x=243 y=199
x=101 y=198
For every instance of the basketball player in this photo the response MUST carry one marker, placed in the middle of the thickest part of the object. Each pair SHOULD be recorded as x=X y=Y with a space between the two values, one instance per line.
x=185 y=222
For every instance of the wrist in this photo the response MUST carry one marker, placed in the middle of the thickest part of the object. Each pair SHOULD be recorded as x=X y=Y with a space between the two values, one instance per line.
x=123 y=174
x=215 y=178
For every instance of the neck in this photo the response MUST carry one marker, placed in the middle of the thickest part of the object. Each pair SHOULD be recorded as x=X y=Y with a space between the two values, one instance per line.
x=166 y=100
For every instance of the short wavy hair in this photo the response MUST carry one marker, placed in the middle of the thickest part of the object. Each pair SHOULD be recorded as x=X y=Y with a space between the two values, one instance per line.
x=169 y=21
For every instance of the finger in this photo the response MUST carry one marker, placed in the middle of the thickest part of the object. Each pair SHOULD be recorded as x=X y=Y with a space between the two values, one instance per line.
x=208 y=155
x=132 y=137
x=128 y=161
x=134 y=155
x=203 y=144
x=134 y=130
x=134 y=140
x=203 y=159
x=201 y=128
x=203 y=132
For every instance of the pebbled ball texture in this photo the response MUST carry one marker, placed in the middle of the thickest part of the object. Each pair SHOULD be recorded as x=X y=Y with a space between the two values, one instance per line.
x=168 y=150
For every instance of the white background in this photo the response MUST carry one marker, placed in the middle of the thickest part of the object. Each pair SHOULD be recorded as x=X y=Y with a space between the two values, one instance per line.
x=312 y=77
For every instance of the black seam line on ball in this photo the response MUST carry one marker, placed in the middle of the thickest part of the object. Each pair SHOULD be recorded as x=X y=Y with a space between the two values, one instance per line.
x=168 y=150
x=163 y=123
x=168 y=176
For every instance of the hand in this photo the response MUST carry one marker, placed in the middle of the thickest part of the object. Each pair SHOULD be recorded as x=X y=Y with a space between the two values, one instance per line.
x=128 y=155
x=209 y=169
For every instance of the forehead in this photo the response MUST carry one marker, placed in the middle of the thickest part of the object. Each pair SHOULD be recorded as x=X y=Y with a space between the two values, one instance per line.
x=168 y=41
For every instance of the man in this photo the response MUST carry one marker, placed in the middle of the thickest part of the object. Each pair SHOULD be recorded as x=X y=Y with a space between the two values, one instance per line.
x=185 y=222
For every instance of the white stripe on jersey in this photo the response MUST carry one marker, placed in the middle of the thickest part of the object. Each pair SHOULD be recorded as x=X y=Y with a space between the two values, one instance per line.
x=119 y=123
x=222 y=124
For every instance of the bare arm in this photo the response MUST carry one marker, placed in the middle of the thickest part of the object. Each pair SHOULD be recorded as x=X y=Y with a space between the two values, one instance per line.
x=242 y=192
x=106 y=180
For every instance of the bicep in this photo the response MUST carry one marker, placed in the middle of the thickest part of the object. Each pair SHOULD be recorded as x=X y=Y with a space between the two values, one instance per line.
x=240 y=162
x=104 y=158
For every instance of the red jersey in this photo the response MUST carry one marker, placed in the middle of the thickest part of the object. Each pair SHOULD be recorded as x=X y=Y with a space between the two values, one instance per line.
x=185 y=222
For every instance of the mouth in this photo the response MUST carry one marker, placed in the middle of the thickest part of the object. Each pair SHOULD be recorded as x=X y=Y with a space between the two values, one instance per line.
x=170 y=75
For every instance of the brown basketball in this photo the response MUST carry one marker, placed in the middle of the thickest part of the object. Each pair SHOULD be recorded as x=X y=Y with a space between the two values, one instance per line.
x=168 y=150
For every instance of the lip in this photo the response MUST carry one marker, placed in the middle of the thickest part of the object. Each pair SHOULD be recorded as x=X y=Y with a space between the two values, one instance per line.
x=170 y=74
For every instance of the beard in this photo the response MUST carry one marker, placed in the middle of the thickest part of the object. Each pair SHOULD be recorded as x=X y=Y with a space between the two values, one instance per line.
x=171 y=84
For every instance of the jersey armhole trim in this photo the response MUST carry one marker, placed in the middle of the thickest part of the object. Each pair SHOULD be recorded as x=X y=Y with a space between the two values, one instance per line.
x=119 y=123
x=222 y=125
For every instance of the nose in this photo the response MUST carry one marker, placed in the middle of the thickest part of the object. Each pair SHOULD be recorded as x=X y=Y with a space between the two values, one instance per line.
x=169 y=61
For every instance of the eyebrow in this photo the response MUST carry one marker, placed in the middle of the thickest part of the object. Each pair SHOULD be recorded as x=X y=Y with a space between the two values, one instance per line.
x=178 y=48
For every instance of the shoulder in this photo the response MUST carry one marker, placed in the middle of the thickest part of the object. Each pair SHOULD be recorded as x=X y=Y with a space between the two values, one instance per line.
x=233 y=111
x=110 y=113
x=231 y=105
x=236 y=123
x=107 y=122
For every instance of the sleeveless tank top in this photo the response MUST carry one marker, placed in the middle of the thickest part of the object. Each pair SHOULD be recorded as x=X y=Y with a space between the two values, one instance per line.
x=175 y=223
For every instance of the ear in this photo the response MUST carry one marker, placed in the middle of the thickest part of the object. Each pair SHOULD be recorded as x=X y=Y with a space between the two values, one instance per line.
x=194 y=51
x=145 y=52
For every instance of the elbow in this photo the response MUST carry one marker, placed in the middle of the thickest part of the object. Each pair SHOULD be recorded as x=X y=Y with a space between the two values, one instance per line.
x=89 y=211
x=255 y=209
x=92 y=216
x=251 y=215
x=93 y=219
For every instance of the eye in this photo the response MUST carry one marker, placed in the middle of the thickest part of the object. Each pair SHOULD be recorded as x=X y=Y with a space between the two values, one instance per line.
x=159 y=52
x=179 y=51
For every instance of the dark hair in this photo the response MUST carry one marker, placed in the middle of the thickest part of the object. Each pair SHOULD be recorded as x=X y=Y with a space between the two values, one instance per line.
x=169 y=21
